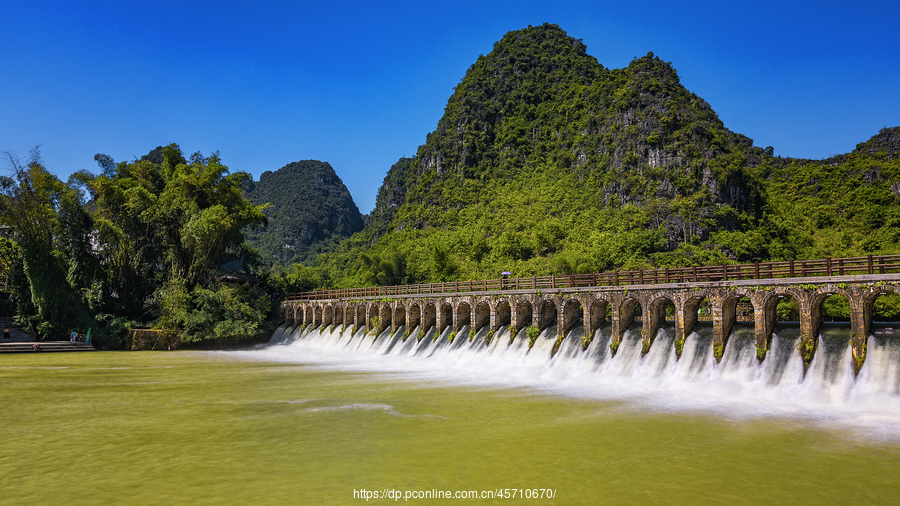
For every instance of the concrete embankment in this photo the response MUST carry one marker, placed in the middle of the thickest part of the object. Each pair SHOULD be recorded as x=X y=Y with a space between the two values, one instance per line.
x=44 y=346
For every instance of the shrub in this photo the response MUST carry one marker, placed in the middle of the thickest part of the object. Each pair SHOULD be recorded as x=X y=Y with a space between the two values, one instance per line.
x=807 y=348
x=585 y=342
x=532 y=334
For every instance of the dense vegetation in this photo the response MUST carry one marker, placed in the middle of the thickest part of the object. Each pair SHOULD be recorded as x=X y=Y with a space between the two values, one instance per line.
x=308 y=208
x=141 y=243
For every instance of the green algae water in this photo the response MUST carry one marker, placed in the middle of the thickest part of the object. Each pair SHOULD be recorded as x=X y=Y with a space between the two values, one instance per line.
x=231 y=428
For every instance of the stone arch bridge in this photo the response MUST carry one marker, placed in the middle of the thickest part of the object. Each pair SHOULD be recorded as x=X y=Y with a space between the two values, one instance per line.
x=504 y=303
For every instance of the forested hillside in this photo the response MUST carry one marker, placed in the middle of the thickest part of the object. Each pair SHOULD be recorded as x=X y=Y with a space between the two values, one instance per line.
x=309 y=210
x=547 y=162
x=845 y=205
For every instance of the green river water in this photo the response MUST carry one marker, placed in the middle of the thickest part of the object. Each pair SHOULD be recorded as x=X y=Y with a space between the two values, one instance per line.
x=221 y=428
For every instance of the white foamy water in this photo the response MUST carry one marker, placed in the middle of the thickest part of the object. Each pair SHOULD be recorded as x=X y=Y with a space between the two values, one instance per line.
x=828 y=392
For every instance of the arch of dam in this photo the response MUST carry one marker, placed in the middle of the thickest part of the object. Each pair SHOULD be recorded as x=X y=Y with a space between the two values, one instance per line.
x=592 y=299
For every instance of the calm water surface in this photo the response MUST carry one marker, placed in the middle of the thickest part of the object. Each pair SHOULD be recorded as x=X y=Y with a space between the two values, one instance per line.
x=230 y=428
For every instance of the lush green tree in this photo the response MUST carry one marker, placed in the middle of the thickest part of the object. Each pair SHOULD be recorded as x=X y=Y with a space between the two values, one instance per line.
x=164 y=229
x=39 y=209
x=147 y=249
x=298 y=278
x=443 y=264
x=223 y=312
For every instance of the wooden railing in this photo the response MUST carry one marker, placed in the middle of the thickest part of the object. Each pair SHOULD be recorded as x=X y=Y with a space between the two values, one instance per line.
x=767 y=270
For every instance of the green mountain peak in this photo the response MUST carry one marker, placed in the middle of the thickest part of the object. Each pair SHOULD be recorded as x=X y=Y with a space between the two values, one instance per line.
x=545 y=161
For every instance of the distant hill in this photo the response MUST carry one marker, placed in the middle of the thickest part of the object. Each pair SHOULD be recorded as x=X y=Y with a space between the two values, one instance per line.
x=545 y=161
x=310 y=210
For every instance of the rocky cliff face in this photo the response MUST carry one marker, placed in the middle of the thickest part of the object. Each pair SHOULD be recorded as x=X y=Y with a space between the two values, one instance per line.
x=310 y=208
x=886 y=144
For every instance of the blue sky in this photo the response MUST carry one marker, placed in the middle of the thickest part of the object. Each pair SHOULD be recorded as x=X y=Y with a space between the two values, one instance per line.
x=360 y=84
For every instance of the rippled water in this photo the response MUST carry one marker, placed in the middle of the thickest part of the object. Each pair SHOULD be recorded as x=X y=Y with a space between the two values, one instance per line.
x=312 y=419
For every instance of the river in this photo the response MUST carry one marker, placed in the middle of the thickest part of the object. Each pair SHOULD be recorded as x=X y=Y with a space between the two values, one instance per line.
x=325 y=418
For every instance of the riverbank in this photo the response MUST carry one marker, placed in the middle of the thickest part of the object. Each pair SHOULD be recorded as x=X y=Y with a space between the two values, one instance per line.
x=156 y=340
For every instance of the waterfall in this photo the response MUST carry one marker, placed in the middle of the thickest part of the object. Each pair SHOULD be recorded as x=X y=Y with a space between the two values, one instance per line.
x=696 y=378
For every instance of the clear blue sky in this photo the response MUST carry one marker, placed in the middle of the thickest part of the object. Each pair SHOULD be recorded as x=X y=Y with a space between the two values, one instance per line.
x=360 y=84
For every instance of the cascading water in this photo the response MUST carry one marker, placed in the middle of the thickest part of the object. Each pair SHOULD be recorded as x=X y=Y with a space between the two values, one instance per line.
x=777 y=385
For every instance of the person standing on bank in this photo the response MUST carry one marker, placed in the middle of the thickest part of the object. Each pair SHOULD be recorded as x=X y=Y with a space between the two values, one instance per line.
x=5 y=333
